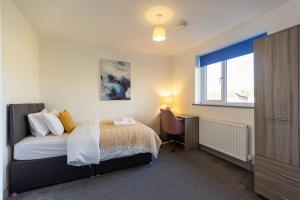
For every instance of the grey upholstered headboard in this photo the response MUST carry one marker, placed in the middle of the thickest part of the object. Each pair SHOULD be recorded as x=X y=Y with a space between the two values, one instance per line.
x=18 y=122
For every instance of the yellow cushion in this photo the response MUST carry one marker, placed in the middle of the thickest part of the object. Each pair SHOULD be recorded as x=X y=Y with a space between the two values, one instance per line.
x=67 y=121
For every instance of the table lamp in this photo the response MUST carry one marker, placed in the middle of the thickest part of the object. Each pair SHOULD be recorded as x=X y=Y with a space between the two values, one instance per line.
x=166 y=101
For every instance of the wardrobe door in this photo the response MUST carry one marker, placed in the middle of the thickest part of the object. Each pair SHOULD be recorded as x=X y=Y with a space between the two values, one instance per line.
x=262 y=92
x=276 y=96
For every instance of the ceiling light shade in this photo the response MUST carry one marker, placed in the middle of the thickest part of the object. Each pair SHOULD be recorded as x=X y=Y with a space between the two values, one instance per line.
x=159 y=33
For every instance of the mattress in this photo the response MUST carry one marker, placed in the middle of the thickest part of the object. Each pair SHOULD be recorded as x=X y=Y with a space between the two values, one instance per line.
x=31 y=147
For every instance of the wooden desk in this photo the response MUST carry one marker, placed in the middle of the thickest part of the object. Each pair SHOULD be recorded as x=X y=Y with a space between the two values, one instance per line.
x=191 y=131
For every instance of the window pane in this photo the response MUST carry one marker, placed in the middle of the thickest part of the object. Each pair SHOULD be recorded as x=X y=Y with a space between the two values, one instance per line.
x=214 y=81
x=240 y=79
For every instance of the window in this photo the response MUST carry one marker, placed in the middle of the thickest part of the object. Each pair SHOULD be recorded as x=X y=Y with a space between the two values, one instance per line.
x=240 y=79
x=230 y=82
x=213 y=82
x=227 y=75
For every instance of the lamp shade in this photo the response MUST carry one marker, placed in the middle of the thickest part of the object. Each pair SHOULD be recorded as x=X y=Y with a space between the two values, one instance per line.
x=159 y=33
x=166 y=101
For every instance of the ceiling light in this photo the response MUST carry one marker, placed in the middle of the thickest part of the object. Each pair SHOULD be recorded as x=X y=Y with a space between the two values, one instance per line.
x=159 y=31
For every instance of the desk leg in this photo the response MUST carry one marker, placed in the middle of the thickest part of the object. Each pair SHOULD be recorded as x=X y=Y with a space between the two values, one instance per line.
x=191 y=135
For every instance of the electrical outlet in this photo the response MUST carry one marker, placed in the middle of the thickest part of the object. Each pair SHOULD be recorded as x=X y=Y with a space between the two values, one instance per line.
x=250 y=157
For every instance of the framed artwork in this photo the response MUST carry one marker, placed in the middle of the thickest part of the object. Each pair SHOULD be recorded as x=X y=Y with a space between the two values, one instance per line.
x=115 y=80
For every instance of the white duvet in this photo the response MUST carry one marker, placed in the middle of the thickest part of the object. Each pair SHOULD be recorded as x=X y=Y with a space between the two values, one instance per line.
x=83 y=144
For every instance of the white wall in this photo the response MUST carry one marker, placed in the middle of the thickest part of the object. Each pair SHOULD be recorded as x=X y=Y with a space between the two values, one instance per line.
x=183 y=65
x=69 y=78
x=20 y=62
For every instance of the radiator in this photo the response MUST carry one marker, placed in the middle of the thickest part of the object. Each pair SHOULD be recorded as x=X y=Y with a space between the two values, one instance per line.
x=226 y=137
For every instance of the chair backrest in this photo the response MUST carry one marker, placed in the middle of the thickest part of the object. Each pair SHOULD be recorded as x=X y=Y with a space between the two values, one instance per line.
x=170 y=123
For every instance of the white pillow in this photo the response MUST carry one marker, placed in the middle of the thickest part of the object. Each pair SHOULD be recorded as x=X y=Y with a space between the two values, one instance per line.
x=53 y=123
x=37 y=125
x=55 y=112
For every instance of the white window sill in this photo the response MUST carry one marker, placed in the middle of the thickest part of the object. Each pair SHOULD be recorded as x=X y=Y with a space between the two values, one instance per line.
x=251 y=106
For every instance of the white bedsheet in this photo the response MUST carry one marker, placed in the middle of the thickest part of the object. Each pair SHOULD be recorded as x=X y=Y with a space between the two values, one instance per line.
x=31 y=148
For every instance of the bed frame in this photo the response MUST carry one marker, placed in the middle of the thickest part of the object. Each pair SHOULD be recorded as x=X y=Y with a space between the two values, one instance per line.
x=31 y=174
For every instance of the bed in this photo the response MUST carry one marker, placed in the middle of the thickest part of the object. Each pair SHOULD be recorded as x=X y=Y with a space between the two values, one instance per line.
x=39 y=162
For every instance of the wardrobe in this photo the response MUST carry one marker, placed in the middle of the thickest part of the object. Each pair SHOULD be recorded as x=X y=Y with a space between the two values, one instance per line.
x=277 y=115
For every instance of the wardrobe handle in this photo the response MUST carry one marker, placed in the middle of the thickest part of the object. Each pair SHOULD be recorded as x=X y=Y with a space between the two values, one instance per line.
x=269 y=118
x=284 y=198
x=290 y=177
x=279 y=119
x=282 y=119
x=274 y=118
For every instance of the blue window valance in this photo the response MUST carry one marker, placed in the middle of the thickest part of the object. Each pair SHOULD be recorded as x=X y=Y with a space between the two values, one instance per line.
x=235 y=50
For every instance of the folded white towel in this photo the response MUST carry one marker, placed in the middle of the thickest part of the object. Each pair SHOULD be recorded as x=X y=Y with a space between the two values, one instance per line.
x=124 y=121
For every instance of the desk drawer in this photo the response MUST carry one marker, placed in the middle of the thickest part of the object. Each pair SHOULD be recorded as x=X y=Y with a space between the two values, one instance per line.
x=276 y=180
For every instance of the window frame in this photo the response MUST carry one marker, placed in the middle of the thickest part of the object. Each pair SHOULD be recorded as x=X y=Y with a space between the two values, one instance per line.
x=223 y=101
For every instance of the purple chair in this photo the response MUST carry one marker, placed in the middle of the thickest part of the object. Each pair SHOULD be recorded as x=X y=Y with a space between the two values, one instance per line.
x=173 y=126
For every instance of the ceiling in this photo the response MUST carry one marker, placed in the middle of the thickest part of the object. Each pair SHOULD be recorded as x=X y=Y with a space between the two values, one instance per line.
x=127 y=24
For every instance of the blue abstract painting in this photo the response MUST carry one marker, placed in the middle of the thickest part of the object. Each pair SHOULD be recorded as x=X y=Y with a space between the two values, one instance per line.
x=115 y=80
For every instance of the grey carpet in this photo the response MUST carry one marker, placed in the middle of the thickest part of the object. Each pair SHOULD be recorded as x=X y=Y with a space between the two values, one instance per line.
x=178 y=176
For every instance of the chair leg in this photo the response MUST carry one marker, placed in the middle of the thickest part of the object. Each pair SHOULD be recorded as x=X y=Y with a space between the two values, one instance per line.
x=174 y=147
